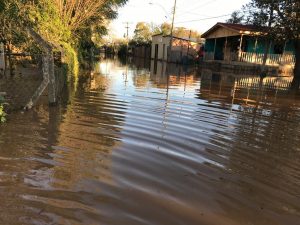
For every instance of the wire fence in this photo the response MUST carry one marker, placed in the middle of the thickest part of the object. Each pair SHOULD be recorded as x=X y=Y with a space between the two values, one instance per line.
x=23 y=76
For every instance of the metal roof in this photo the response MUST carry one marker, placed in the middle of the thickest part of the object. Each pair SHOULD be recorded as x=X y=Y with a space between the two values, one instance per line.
x=240 y=28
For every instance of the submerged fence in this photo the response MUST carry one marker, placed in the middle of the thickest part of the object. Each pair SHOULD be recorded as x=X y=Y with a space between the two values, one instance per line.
x=23 y=77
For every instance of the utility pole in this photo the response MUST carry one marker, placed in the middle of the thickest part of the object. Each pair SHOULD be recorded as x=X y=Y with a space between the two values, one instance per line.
x=127 y=29
x=172 y=27
x=127 y=35
x=189 y=42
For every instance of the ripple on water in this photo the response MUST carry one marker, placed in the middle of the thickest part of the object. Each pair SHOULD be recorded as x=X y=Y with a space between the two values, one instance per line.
x=154 y=149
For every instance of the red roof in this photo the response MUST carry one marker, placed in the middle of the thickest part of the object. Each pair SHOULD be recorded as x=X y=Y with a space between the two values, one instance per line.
x=236 y=27
x=241 y=27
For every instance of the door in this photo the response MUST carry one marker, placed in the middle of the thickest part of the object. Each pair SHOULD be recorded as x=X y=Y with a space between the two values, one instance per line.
x=156 y=52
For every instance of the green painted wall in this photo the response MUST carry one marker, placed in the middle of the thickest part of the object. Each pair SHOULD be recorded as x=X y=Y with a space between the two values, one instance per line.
x=260 y=47
x=209 y=45
x=248 y=46
x=290 y=47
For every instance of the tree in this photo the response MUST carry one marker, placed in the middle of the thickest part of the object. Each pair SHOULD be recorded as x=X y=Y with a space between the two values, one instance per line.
x=182 y=32
x=165 y=28
x=142 y=33
x=236 y=17
x=66 y=24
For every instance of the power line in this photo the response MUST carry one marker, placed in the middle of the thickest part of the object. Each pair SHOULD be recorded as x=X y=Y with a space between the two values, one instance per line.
x=197 y=7
x=208 y=18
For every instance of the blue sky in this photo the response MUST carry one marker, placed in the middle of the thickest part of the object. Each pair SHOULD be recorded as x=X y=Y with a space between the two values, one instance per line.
x=192 y=14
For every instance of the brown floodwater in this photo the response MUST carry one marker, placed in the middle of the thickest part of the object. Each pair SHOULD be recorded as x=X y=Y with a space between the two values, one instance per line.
x=146 y=144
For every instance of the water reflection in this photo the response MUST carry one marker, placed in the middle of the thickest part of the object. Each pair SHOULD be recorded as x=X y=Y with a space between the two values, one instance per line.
x=169 y=145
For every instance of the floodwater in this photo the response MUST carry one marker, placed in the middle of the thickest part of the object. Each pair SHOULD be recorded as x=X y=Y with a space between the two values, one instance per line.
x=164 y=146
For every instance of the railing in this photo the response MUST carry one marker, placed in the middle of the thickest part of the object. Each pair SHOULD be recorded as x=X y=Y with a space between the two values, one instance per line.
x=272 y=59
x=282 y=83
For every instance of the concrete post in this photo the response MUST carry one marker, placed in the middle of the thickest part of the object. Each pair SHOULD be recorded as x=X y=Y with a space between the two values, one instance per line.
x=52 y=81
x=48 y=71
x=240 y=48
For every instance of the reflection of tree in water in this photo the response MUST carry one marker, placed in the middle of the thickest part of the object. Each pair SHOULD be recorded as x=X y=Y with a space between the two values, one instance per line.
x=24 y=155
x=141 y=63
x=88 y=132
x=62 y=148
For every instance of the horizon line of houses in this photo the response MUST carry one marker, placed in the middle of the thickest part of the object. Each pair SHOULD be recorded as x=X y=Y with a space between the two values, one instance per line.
x=224 y=42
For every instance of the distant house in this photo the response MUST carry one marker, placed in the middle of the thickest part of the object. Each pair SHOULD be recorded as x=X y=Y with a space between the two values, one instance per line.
x=244 y=43
x=182 y=48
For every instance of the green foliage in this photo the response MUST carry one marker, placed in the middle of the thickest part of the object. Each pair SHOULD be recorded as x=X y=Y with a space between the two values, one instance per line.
x=2 y=111
x=59 y=24
x=71 y=59
x=281 y=17
x=165 y=28
x=142 y=33
x=236 y=17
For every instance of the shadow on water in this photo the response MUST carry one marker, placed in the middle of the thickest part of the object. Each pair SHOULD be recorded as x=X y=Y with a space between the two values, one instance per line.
x=143 y=142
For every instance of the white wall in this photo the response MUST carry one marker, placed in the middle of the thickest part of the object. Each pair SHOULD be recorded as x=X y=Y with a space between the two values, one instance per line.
x=163 y=43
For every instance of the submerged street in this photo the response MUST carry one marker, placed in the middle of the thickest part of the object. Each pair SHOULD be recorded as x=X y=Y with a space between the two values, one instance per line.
x=143 y=143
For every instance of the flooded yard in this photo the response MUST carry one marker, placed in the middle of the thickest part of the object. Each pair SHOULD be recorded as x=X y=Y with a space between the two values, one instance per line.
x=143 y=143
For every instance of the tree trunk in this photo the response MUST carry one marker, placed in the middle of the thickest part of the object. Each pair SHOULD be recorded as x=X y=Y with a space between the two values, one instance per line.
x=268 y=42
x=296 y=80
x=11 y=72
x=5 y=61
x=266 y=53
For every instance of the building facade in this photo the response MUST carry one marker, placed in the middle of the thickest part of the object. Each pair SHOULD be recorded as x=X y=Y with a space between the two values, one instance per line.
x=245 y=43
x=182 y=49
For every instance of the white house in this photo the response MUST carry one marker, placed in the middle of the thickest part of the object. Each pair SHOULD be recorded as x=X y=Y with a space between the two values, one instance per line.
x=181 y=48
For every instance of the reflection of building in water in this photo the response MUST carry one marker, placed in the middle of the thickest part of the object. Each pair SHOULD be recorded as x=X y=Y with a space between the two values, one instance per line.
x=163 y=74
x=243 y=89
x=141 y=63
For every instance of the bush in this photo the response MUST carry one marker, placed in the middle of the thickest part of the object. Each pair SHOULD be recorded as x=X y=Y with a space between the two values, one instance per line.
x=2 y=111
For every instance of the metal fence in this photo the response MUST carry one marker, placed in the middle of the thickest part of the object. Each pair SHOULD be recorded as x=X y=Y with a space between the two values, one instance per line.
x=22 y=78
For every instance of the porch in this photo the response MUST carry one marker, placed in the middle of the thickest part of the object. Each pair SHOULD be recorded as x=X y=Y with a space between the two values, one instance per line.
x=236 y=43
x=254 y=58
